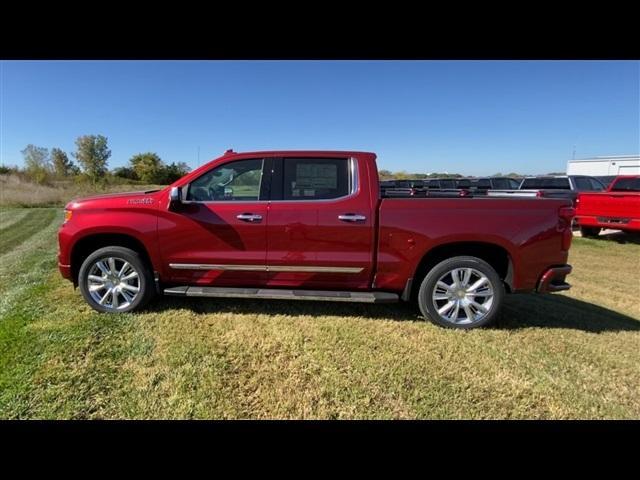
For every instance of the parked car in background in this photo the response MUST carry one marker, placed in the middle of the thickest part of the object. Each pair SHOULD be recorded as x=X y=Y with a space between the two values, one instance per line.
x=494 y=183
x=440 y=183
x=618 y=207
x=400 y=188
x=311 y=225
x=605 y=180
x=562 y=186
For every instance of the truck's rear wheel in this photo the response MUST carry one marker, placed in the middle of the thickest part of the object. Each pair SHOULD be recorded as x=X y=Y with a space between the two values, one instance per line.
x=461 y=292
x=115 y=280
x=590 y=232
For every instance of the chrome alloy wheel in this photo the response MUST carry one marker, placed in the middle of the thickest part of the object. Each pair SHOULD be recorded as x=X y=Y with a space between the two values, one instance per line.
x=463 y=296
x=113 y=283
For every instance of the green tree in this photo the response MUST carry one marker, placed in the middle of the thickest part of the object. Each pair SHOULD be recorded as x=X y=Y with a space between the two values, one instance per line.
x=148 y=167
x=385 y=174
x=92 y=153
x=62 y=166
x=174 y=171
x=125 y=172
x=37 y=163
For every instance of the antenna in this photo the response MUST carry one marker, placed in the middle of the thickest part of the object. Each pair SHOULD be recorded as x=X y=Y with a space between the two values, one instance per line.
x=574 y=153
x=198 y=155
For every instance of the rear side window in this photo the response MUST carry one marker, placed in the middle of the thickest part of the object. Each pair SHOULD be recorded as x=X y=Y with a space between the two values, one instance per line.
x=484 y=183
x=514 y=184
x=447 y=184
x=606 y=180
x=315 y=178
x=583 y=184
x=596 y=185
x=546 y=183
x=626 y=185
x=501 y=183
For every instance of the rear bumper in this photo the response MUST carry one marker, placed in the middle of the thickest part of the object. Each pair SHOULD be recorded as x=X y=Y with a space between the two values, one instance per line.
x=553 y=280
x=614 y=223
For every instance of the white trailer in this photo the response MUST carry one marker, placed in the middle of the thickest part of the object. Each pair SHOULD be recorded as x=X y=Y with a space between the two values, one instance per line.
x=609 y=166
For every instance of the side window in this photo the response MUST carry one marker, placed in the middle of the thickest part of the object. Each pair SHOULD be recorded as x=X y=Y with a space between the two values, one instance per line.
x=239 y=181
x=596 y=185
x=514 y=184
x=315 y=178
x=500 y=183
x=582 y=184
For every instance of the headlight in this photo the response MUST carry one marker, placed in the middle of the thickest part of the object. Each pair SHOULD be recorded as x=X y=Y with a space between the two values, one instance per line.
x=67 y=215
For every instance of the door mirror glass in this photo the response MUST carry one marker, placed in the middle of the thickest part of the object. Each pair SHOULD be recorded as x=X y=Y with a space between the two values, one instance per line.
x=175 y=197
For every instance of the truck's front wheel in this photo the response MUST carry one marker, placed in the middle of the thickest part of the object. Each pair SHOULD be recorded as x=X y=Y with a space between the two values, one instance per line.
x=461 y=292
x=115 y=280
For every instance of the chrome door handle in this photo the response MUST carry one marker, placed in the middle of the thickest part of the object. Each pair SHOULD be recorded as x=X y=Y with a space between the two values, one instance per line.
x=249 y=217
x=352 y=217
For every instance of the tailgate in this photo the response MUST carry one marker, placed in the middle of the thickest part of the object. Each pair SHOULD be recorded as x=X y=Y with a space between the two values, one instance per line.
x=612 y=204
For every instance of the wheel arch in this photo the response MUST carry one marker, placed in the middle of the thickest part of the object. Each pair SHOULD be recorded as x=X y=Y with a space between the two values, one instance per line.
x=88 y=244
x=495 y=255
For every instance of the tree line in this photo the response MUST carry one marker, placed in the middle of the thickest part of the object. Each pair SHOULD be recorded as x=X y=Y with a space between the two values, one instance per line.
x=92 y=154
x=402 y=175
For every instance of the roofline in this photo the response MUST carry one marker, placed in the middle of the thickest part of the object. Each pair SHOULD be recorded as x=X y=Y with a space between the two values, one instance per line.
x=275 y=153
x=606 y=157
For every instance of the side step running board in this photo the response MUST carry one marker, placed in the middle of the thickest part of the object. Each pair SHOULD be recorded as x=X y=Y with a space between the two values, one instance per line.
x=275 y=293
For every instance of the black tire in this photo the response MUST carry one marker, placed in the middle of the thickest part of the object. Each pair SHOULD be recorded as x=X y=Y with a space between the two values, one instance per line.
x=145 y=281
x=426 y=301
x=590 y=232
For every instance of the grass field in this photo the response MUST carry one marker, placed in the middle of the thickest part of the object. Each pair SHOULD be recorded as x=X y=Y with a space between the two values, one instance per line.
x=573 y=355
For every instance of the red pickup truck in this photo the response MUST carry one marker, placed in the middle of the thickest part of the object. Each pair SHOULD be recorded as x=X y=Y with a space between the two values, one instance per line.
x=618 y=207
x=311 y=225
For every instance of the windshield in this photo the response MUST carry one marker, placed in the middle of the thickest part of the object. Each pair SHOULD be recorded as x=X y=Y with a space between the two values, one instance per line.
x=545 y=183
x=626 y=185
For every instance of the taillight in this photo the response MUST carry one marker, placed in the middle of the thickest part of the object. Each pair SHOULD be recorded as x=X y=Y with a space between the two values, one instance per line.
x=464 y=193
x=539 y=193
x=565 y=219
x=67 y=215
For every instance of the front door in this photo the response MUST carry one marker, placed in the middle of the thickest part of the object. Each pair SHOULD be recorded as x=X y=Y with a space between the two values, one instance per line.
x=217 y=236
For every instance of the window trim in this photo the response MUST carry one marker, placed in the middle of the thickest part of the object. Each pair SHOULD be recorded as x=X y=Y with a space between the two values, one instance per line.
x=352 y=170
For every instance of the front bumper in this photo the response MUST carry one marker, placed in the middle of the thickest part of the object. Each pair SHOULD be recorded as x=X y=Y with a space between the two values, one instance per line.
x=553 y=280
x=65 y=270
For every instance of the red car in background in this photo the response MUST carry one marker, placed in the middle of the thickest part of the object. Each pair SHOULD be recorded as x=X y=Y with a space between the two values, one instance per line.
x=618 y=207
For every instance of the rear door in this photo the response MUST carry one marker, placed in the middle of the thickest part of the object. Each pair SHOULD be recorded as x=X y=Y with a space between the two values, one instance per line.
x=320 y=232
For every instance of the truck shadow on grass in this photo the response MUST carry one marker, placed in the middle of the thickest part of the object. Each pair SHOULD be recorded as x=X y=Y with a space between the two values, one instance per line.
x=519 y=311
x=620 y=237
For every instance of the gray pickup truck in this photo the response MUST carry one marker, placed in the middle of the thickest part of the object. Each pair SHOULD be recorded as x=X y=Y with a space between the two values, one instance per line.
x=560 y=186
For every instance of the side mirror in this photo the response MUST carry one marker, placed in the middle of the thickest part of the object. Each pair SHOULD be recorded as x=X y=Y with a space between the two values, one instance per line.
x=175 y=197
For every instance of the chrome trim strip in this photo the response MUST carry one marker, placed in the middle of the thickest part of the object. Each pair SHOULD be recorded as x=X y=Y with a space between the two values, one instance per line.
x=314 y=269
x=204 y=266
x=264 y=268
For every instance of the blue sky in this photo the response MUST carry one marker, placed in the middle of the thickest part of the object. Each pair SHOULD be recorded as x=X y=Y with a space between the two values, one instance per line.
x=470 y=117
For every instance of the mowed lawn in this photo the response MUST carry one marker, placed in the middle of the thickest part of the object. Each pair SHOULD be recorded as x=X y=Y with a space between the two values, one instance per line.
x=574 y=355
